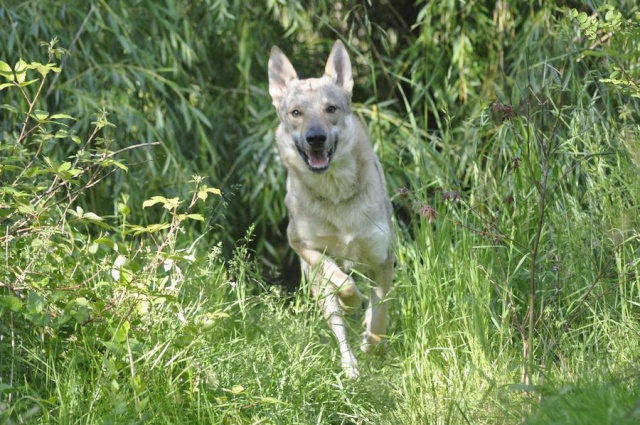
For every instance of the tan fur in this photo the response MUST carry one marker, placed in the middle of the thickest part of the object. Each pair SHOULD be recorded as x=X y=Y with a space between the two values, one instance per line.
x=339 y=210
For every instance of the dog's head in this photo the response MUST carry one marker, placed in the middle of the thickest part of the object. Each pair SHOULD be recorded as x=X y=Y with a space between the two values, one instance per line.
x=313 y=111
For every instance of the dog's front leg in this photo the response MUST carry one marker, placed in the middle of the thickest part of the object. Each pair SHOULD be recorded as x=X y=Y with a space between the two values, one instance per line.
x=328 y=302
x=343 y=285
x=377 y=315
x=326 y=279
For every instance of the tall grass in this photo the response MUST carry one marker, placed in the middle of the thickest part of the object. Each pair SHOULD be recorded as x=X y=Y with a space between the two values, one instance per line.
x=130 y=292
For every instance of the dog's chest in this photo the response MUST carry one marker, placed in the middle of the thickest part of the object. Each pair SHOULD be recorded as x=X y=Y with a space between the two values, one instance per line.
x=338 y=186
x=343 y=214
x=357 y=233
x=366 y=248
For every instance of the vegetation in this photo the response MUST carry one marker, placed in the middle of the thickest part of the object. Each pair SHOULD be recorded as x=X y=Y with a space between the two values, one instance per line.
x=145 y=276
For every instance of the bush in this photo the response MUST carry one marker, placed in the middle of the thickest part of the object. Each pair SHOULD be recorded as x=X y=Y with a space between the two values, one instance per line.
x=76 y=285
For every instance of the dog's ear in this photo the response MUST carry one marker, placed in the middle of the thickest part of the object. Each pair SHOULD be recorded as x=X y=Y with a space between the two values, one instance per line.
x=339 y=67
x=281 y=74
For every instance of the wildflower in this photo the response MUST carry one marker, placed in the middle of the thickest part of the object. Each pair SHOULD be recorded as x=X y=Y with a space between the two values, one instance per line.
x=515 y=164
x=506 y=112
x=403 y=193
x=426 y=211
x=451 y=195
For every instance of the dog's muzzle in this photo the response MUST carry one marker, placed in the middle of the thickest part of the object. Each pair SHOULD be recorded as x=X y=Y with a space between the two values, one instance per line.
x=317 y=151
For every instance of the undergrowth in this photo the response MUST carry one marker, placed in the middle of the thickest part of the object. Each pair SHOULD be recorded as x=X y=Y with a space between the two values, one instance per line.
x=516 y=293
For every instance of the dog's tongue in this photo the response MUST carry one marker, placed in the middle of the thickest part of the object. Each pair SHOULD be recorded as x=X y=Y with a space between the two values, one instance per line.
x=318 y=159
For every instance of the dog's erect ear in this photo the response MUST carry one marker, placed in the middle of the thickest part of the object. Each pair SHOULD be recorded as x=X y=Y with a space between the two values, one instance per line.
x=339 y=67
x=281 y=74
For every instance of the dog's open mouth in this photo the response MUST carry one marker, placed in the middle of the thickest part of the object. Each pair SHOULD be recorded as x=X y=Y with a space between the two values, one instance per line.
x=318 y=160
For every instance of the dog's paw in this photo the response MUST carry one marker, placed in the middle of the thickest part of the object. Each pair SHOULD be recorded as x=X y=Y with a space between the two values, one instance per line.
x=349 y=364
x=351 y=370
x=374 y=344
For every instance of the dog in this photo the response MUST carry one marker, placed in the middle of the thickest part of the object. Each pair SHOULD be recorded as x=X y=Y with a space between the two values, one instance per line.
x=337 y=200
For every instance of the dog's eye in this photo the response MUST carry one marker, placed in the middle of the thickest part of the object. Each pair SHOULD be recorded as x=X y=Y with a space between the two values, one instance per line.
x=331 y=109
x=296 y=113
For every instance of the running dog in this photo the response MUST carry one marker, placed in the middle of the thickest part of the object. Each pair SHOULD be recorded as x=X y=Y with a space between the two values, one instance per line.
x=339 y=209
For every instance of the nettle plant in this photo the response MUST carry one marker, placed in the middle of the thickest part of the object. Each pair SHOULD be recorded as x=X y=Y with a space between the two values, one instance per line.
x=65 y=269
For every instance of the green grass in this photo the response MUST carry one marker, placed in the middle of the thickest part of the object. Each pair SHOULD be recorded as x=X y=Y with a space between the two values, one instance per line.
x=268 y=357
x=512 y=159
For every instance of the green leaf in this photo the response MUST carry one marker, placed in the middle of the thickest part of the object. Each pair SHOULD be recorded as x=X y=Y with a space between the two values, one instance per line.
x=77 y=213
x=109 y=162
x=236 y=389
x=152 y=228
x=43 y=69
x=124 y=209
x=120 y=335
x=270 y=400
x=105 y=241
x=28 y=83
x=93 y=217
x=26 y=209
x=210 y=319
x=169 y=204
x=51 y=163
x=21 y=71
x=61 y=116
x=40 y=115
x=154 y=200
x=198 y=217
x=596 y=53
x=13 y=192
x=12 y=303
x=113 y=346
x=582 y=17
x=9 y=108
x=121 y=264
x=5 y=71
x=82 y=301
x=204 y=191
x=35 y=302
x=172 y=203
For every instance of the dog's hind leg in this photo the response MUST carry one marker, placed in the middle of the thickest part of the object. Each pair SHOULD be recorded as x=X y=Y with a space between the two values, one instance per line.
x=327 y=299
x=377 y=315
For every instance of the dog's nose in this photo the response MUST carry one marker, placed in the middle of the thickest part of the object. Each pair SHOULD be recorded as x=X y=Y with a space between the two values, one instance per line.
x=316 y=138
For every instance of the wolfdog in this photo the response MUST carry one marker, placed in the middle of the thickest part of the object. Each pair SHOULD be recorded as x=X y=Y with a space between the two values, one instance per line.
x=339 y=210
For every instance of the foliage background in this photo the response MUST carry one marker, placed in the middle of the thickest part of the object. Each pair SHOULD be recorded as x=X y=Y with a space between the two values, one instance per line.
x=509 y=134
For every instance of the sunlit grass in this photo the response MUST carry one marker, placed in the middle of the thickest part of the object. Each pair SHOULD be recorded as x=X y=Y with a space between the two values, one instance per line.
x=506 y=182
